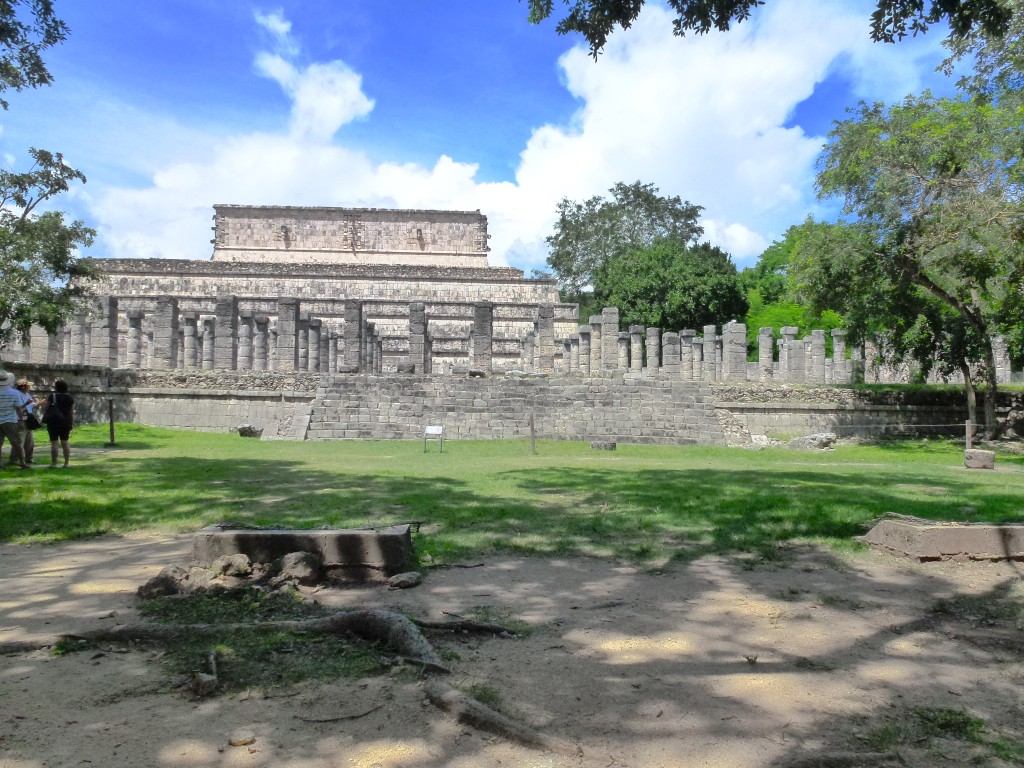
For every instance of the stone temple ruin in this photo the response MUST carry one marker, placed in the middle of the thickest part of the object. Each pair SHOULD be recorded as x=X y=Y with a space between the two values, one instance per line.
x=354 y=322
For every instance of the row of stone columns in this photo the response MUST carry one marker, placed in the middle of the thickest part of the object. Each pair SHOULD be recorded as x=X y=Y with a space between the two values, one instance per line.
x=601 y=346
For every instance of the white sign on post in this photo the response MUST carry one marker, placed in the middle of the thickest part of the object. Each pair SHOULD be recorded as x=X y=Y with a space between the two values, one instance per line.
x=433 y=431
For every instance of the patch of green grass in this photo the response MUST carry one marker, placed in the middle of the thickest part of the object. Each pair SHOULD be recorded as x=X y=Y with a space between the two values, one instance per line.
x=643 y=503
x=486 y=695
x=257 y=657
x=935 y=728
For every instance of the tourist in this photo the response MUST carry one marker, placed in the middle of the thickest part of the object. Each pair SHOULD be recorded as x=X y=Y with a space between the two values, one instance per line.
x=59 y=420
x=11 y=415
x=31 y=423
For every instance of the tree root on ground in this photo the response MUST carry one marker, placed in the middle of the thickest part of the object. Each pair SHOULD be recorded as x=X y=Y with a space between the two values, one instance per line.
x=470 y=711
x=397 y=631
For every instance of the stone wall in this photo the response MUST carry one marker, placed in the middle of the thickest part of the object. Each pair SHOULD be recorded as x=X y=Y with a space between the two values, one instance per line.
x=294 y=235
x=627 y=408
x=499 y=408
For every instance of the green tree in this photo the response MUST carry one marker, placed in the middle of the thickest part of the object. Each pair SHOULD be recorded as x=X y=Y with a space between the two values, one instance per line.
x=43 y=279
x=891 y=20
x=591 y=233
x=935 y=189
x=997 y=60
x=671 y=285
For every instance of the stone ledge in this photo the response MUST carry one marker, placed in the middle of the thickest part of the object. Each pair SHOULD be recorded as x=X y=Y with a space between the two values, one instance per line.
x=956 y=541
x=347 y=554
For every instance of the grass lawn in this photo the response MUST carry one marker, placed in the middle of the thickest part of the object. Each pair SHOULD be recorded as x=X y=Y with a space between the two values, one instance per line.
x=647 y=504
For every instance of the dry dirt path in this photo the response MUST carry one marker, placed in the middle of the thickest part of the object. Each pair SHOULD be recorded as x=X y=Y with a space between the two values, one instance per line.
x=709 y=664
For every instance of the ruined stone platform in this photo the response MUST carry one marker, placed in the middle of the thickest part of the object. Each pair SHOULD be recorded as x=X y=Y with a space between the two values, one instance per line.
x=957 y=541
x=346 y=554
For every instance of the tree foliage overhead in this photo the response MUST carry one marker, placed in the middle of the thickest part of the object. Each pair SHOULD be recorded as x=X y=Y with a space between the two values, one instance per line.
x=671 y=285
x=891 y=20
x=936 y=191
x=44 y=279
x=589 y=234
x=27 y=28
x=42 y=276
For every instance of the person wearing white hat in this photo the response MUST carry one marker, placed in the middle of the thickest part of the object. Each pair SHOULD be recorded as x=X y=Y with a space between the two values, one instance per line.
x=11 y=415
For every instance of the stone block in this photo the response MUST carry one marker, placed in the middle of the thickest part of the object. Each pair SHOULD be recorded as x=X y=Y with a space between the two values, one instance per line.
x=975 y=458
x=347 y=555
x=934 y=541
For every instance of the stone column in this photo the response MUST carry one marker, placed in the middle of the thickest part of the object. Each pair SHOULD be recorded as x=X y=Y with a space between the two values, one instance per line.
x=734 y=352
x=574 y=353
x=871 y=366
x=610 y=338
x=623 y=350
x=636 y=349
x=261 y=342
x=165 y=333
x=418 y=336
x=791 y=360
x=246 y=352
x=286 y=357
x=709 y=370
x=483 y=333
x=765 y=350
x=332 y=351
x=78 y=339
x=352 y=335
x=302 y=342
x=225 y=353
x=670 y=357
x=104 y=333
x=313 y=344
x=546 y=338
x=272 y=362
x=652 y=351
x=566 y=349
x=209 y=342
x=325 y=349
x=687 y=367
x=189 y=341
x=530 y=351
x=840 y=369
x=43 y=347
x=585 y=332
x=595 y=343
x=816 y=367
x=1001 y=355
x=133 y=357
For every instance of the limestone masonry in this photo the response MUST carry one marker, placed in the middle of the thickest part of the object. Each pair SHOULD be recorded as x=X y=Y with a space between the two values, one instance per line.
x=384 y=320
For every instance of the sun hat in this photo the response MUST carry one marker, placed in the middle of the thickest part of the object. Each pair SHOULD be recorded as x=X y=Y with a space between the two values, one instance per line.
x=6 y=379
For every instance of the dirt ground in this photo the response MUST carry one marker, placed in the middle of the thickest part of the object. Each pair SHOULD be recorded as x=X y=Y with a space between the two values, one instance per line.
x=710 y=664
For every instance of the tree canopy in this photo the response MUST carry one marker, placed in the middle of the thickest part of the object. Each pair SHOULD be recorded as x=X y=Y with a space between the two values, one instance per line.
x=891 y=20
x=43 y=278
x=671 y=285
x=27 y=28
x=589 y=234
x=934 y=257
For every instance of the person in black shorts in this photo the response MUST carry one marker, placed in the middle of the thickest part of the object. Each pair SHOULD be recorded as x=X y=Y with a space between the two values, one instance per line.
x=59 y=420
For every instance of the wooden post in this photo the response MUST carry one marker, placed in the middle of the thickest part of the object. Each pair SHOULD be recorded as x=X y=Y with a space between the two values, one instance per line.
x=533 y=436
x=110 y=411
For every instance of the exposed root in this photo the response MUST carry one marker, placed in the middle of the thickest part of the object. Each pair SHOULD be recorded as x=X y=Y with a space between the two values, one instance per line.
x=470 y=711
x=393 y=629
x=464 y=625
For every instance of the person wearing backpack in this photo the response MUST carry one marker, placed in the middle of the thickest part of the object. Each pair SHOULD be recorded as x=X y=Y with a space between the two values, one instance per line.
x=59 y=420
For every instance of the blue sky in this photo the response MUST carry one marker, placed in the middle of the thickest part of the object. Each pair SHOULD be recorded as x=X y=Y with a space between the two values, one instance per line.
x=171 y=106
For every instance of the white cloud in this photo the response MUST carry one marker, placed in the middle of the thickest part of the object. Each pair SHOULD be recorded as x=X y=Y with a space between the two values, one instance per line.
x=703 y=118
